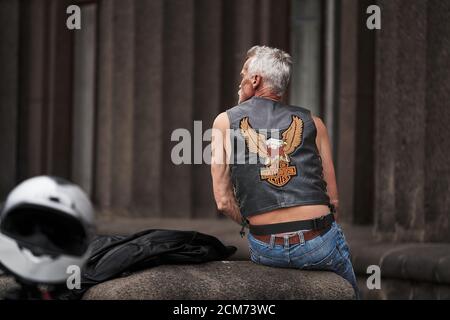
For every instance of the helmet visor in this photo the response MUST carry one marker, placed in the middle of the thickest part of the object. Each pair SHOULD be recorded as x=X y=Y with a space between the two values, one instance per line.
x=45 y=231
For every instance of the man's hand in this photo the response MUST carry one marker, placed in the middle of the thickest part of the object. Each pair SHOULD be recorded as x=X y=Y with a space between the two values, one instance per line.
x=220 y=171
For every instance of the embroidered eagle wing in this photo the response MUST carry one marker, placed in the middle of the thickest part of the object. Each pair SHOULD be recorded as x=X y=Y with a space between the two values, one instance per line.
x=293 y=135
x=256 y=142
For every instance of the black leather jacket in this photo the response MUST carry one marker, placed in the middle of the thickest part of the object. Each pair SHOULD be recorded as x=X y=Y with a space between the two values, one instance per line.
x=114 y=256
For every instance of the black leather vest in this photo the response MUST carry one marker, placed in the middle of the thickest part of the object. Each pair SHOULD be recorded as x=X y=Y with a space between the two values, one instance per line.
x=275 y=162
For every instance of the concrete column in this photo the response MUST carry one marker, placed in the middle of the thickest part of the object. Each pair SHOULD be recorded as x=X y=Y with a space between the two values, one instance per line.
x=148 y=112
x=306 y=83
x=83 y=98
x=437 y=138
x=263 y=36
x=207 y=93
x=347 y=107
x=104 y=114
x=33 y=98
x=238 y=36
x=59 y=126
x=364 y=122
x=122 y=105
x=273 y=27
x=330 y=64
x=410 y=157
x=9 y=66
x=272 y=24
x=400 y=128
x=385 y=133
x=178 y=90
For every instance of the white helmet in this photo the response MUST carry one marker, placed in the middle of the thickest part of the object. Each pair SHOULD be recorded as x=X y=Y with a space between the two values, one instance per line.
x=46 y=226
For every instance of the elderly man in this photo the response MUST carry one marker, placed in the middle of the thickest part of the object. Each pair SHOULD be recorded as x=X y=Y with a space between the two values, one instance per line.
x=289 y=197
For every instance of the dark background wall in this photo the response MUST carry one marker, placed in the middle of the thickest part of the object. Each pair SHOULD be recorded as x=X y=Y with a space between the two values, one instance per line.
x=412 y=190
x=393 y=106
x=161 y=64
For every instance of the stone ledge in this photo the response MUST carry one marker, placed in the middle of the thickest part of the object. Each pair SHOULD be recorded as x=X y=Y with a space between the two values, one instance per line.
x=398 y=289
x=223 y=280
x=6 y=283
x=426 y=262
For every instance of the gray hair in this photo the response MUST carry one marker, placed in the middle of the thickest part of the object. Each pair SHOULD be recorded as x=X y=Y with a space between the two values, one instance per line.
x=273 y=65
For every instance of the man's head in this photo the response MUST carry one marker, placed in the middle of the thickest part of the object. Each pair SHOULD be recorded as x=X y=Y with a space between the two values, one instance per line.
x=266 y=71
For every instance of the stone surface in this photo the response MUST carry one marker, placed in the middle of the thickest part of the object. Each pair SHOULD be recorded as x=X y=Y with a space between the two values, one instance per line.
x=208 y=27
x=84 y=86
x=178 y=75
x=148 y=111
x=104 y=116
x=123 y=95
x=6 y=283
x=223 y=280
x=346 y=120
x=395 y=289
x=437 y=178
x=425 y=262
x=400 y=104
x=59 y=83
x=33 y=98
x=412 y=192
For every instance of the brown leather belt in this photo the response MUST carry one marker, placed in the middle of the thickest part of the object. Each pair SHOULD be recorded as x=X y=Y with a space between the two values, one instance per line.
x=294 y=239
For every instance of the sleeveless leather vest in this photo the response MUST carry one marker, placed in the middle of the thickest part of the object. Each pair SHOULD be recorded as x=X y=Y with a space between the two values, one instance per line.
x=275 y=162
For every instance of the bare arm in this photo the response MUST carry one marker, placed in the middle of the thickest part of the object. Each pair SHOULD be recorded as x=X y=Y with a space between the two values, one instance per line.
x=324 y=146
x=220 y=171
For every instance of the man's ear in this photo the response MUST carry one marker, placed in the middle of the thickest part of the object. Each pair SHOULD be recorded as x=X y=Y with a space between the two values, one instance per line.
x=256 y=81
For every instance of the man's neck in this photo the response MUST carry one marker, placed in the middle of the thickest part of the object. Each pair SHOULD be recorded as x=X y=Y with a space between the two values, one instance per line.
x=267 y=94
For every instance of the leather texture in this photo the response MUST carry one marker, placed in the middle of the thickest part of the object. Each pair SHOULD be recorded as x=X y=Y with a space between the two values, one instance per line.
x=260 y=123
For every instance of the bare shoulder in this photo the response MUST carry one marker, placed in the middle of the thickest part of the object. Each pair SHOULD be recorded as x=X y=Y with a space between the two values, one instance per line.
x=321 y=132
x=221 y=121
x=320 y=126
x=319 y=123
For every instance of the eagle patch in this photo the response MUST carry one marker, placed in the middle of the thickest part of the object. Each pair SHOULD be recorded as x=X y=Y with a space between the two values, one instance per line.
x=274 y=152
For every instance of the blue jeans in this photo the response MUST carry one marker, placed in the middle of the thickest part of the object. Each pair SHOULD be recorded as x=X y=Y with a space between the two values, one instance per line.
x=328 y=252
